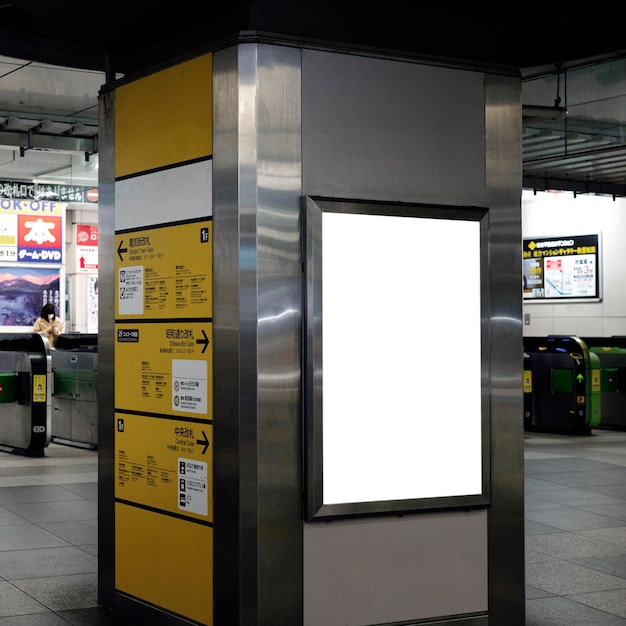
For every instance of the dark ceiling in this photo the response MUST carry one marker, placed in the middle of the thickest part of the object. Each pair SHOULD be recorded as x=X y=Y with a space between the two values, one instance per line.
x=135 y=34
x=126 y=37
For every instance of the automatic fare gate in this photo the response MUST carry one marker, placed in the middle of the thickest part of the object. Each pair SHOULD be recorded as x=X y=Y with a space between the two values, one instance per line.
x=25 y=384
x=611 y=352
x=74 y=401
x=561 y=385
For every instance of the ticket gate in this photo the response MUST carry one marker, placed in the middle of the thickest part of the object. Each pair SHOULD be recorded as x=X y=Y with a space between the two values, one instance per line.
x=25 y=391
x=611 y=352
x=75 y=399
x=561 y=385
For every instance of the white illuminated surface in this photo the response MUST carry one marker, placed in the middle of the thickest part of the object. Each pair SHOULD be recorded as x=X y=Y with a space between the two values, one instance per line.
x=401 y=343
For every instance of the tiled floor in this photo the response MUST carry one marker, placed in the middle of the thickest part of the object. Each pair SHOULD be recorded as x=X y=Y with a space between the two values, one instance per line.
x=48 y=539
x=575 y=529
x=575 y=534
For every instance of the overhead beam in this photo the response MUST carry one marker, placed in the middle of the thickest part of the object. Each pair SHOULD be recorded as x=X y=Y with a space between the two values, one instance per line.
x=577 y=186
x=29 y=140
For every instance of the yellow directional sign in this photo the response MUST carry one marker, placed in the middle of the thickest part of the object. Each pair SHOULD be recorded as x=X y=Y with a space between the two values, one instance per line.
x=163 y=412
x=164 y=367
x=164 y=463
x=165 y=272
x=163 y=353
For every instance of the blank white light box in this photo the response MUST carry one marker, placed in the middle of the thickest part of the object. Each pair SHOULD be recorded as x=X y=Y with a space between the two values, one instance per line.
x=396 y=417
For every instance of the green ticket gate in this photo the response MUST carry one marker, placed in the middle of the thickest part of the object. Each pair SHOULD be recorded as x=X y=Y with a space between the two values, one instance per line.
x=25 y=387
x=561 y=385
x=611 y=352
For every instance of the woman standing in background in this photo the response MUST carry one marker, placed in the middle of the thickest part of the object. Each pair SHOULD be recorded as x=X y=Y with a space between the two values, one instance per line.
x=48 y=324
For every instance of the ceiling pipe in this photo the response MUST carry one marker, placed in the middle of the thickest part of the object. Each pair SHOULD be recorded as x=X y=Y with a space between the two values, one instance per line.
x=534 y=113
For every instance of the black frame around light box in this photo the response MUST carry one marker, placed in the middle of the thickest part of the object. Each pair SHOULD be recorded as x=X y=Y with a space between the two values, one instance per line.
x=538 y=251
x=459 y=350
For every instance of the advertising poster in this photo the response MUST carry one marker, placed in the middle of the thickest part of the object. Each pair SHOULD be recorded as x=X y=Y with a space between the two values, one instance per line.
x=92 y=304
x=31 y=231
x=24 y=290
x=562 y=268
x=87 y=248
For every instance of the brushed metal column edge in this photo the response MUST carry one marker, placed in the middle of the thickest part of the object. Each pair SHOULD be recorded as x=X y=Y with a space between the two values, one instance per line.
x=279 y=330
x=503 y=198
x=226 y=330
x=106 y=322
x=247 y=323
x=257 y=325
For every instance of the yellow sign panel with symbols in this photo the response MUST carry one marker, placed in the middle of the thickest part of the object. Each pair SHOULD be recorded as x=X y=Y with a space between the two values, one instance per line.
x=39 y=387
x=163 y=411
x=165 y=464
x=528 y=381
x=165 y=272
x=595 y=380
x=164 y=367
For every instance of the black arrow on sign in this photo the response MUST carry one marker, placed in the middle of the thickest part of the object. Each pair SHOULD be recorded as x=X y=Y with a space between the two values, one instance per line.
x=205 y=341
x=204 y=442
x=120 y=250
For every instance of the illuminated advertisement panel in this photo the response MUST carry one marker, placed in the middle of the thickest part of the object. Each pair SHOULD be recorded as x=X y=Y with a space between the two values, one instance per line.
x=86 y=244
x=31 y=231
x=24 y=290
x=562 y=268
x=395 y=411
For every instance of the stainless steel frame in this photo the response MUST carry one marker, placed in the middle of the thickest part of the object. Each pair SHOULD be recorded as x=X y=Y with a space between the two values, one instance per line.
x=316 y=508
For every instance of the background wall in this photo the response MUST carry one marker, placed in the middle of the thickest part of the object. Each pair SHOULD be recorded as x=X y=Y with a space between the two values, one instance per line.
x=374 y=129
x=80 y=310
x=548 y=214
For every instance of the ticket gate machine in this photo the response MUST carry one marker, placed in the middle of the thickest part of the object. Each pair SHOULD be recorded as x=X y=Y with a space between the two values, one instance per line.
x=74 y=400
x=25 y=391
x=611 y=352
x=561 y=385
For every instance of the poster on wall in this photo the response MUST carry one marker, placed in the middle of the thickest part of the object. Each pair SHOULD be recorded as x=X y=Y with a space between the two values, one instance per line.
x=24 y=290
x=92 y=304
x=86 y=248
x=31 y=231
x=562 y=268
